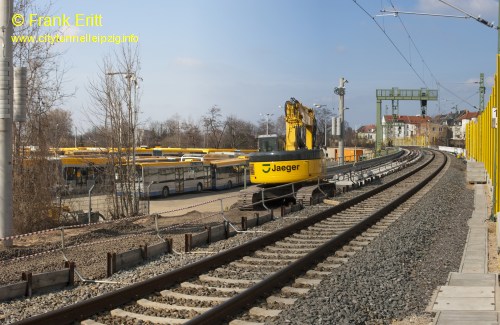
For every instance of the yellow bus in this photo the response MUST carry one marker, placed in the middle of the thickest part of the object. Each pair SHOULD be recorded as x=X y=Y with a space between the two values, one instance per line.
x=80 y=173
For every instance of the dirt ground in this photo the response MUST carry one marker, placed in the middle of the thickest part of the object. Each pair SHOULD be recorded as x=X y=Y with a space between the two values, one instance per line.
x=493 y=262
x=414 y=320
x=212 y=202
x=493 y=259
x=204 y=207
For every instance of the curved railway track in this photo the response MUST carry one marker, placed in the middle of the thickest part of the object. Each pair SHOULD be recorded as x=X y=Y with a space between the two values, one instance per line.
x=266 y=273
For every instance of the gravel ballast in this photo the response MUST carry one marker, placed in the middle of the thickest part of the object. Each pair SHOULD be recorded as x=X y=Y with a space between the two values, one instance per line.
x=395 y=276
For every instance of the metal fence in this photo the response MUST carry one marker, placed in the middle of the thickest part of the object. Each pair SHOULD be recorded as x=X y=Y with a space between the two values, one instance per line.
x=78 y=208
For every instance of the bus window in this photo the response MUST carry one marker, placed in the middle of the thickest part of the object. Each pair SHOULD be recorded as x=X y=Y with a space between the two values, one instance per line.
x=70 y=173
x=192 y=157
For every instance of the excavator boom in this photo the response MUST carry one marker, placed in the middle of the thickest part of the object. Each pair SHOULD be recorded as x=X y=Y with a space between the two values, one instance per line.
x=300 y=126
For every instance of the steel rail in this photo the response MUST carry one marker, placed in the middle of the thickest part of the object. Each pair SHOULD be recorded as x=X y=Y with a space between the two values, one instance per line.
x=287 y=274
x=92 y=306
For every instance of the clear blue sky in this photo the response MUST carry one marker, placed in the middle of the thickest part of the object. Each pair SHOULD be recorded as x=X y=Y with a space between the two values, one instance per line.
x=250 y=56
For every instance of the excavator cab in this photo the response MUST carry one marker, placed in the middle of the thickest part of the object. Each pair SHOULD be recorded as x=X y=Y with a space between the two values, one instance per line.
x=268 y=143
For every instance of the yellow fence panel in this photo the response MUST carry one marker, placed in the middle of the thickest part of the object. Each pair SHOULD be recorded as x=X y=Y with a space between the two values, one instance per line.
x=482 y=139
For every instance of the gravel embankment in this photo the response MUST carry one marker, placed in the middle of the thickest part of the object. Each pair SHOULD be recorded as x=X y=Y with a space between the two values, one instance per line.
x=395 y=276
x=87 y=247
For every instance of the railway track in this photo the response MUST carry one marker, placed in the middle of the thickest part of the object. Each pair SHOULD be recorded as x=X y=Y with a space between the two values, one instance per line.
x=270 y=271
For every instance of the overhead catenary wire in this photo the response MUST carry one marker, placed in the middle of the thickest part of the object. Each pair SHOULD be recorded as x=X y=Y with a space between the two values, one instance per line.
x=391 y=41
x=438 y=83
x=415 y=46
x=457 y=96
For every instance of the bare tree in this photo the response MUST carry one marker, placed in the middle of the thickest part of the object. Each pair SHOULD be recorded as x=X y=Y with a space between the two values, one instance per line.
x=173 y=135
x=323 y=120
x=114 y=112
x=175 y=132
x=265 y=125
x=58 y=124
x=239 y=134
x=157 y=133
x=95 y=137
x=192 y=134
x=350 y=135
x=45 y=73
x=214 y=126
x=280 y=126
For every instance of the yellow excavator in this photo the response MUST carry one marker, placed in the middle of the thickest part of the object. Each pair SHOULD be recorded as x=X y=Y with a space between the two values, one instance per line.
x=300 y=160
x=301 y=163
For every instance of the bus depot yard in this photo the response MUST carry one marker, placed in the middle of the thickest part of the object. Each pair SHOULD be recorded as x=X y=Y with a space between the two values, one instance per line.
x=160 y=171
x=87 y=177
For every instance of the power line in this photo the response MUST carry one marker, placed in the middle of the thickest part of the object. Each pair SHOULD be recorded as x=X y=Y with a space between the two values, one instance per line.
x=425 y=63
x=457 y=96
x=392 y=42
x=417 y=49
x=415 y=45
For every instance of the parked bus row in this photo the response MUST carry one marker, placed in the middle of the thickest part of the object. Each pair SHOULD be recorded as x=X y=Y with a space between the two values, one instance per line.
x=160 y=176
x=161 y=179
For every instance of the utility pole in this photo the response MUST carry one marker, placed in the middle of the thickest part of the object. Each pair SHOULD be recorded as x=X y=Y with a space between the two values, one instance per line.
x=482 y=90
x=340 y=91
x=267 y=121
x=325 y=132
x=6 y=72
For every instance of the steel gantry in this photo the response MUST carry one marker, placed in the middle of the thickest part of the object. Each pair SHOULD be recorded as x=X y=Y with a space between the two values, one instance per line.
x=395 y=95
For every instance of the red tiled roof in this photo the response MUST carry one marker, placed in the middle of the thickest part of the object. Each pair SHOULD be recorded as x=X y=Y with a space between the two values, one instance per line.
x=468 y=115
x=367 y=128
x=408 y=119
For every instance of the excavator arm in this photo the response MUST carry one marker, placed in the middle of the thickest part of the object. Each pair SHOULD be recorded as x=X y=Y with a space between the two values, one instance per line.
x=300 y=126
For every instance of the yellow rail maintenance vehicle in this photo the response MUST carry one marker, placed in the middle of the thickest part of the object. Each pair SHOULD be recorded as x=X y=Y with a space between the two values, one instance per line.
x=301 y=162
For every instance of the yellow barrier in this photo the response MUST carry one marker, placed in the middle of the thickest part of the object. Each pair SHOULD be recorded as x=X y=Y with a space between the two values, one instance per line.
x=418 y=141
x=481 y=139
